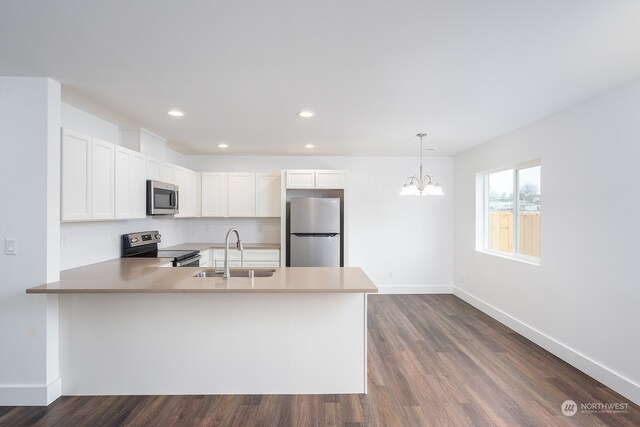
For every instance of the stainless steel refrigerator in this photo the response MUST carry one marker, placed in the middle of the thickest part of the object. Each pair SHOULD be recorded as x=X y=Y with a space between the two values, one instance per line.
x=314 y=233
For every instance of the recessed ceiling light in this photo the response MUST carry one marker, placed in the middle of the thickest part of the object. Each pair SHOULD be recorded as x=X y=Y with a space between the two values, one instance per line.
x=176 y=113
x=309 y=146
x=223 y=146
x=306 y=114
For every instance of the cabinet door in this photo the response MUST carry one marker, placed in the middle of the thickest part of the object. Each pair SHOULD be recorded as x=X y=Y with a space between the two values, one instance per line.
x=205 y=258
x=262 y=255
x=242 y=194
x=196 y=187
x=168 y=173
x=102 y=179
x=330 y=179
x=154 y=169
x=185 y=192
x=268 y=193
x=301 y=179
x=138 y=185
x=183 y=196
x=123 y=160
x=214 y=194
x=76 y=176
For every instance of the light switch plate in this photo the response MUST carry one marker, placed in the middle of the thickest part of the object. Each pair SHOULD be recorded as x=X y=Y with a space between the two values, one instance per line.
x=11 y=246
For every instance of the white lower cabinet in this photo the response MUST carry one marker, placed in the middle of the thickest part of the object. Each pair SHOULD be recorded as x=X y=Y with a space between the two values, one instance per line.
x=252 y=258
x=205 y=258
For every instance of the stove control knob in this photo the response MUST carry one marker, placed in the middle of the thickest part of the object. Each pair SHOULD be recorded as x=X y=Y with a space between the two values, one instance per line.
x=133 y=239
x=158 y=236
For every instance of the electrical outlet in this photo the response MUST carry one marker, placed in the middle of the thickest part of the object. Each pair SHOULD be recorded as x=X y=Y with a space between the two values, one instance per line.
x=11 y=246
x=390 y=274
x=259 y=228
x=463 y=278
x=63 y=242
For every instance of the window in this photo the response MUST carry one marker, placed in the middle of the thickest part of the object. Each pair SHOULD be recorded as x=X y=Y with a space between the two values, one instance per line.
x=510 y=216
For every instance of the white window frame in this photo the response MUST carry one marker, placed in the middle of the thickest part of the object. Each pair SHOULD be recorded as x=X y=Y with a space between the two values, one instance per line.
x=482 y=210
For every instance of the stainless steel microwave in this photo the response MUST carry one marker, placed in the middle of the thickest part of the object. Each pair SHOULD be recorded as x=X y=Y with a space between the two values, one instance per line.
x=162 y=198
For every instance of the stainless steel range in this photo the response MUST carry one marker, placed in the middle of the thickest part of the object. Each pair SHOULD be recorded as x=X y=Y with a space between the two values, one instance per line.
x=145 y=245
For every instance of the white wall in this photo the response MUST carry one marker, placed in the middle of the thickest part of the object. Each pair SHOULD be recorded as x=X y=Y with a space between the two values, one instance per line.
x=81 y=121
x=583 y=301
x=85 y=243
x=30 y=169
x=252 y=230
x=403 y=243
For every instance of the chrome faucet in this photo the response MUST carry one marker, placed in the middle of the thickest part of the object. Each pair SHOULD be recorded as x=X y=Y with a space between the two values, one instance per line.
x=227 y=274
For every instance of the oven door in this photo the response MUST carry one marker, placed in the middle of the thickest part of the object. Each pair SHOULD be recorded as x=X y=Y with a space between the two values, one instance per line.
x=194 y=261
x=162 y=198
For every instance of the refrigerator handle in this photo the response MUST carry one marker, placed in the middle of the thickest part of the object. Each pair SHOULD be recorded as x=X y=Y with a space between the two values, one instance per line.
x=315 y=234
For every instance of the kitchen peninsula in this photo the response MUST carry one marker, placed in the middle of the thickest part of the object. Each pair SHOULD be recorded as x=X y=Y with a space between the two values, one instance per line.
x=128 y=326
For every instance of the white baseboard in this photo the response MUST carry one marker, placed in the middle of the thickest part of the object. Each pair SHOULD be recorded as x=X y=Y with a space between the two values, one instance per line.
x=606 y=376
x=415 y=289
x=30 y=395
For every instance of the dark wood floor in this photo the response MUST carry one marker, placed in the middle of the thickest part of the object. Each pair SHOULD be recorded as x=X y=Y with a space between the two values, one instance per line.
x=433 y=360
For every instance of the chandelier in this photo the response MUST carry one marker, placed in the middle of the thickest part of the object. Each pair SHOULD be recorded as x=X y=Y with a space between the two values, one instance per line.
x=421 y=185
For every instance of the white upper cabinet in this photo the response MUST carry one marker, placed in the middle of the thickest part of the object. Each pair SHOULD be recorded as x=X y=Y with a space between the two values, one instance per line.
x=188 y=192
x=159 y=170
x=76 y=176
x=214 y=194
x=154 y=169
x=130 y=183
x=102 y=179
x=138 y=185
x=87 y=177
x=268 y=193
x=242 y=194
x=123 y=176
x=330 y=179
x=301 y=179
x=310 y=179
x=196 y=185
x=168 y=173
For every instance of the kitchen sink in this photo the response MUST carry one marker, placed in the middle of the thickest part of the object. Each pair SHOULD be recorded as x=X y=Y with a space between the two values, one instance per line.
x=238 y=272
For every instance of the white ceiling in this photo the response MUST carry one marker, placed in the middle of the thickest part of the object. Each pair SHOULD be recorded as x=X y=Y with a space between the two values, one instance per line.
x=376 y=72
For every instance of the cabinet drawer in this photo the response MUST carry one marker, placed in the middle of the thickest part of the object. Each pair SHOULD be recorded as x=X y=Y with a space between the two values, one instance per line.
x=234 y=254
x=205 y=256
x=262 y=255
x=259 y=264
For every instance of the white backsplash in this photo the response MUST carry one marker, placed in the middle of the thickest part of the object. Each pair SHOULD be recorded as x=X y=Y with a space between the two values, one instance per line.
x=252 y=230
x=83 y=243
